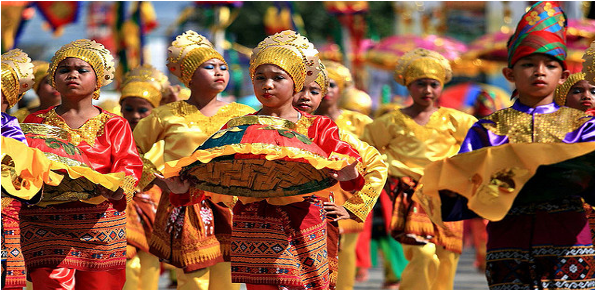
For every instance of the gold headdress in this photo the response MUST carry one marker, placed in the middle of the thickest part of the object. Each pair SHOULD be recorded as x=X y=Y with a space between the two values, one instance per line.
x=323 y=80
x=144 y=82
x=422 y=63
x=563 y=89
x=187 y=53
x=17 y=75
x=356 y=100
x=40 y=71
x=589 y=64
x=291 y=52
x=97 y=56
x=339 y=73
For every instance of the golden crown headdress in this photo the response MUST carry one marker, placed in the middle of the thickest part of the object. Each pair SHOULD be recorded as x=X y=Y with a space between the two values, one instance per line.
x=323 y=79
x=422 y=63
x=17 y=75
x=356 y=100
x=145 y=82
x=339 y=73
x=40 y=71
x=187 y=53
x=563 y=89
x=95 y=54
x=589 y=64
x=290 y=51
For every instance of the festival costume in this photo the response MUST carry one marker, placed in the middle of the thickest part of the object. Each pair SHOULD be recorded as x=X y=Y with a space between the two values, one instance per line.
x=142 y=268
x=89 y=238
x=409 y=147
x=552 y=248
x=40 y=71
x=186 y=236
x=17 y=78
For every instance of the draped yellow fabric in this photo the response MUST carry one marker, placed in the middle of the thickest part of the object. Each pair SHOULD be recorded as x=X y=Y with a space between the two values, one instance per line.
x=352 y=122
x=408 y=147
x=490 y=177
x=34 y=169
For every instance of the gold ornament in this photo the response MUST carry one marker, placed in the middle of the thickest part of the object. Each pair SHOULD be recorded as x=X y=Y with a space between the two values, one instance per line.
x=291 y=52
x=323 y=80
x=589 y=64
x=356 y=100
x=40 y=71
x=97 y=56
x=187 y=53
x=339 y=73
x=422 y=63
x=145 y=82
x=17 y=75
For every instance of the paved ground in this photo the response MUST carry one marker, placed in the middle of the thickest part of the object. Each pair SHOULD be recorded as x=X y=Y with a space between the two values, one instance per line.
x=467 y=278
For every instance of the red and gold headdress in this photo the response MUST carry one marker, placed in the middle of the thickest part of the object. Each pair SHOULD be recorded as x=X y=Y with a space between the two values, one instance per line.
x=144 y=82
x=17 y=75
x=291 y=52
x=541 y=30
x=187 y=53
x=97 y=56
x=422 y=63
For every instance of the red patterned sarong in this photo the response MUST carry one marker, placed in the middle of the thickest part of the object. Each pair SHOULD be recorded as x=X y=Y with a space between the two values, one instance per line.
x=283 y=245
x=11 y=244
x=74 y=235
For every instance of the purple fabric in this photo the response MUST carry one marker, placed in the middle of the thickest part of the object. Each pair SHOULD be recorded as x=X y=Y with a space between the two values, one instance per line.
x=479 y=137
x=11 y=128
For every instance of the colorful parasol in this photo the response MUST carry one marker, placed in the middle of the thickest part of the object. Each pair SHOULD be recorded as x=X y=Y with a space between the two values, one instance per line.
x=257 y=156
x=387 y=51
x=475 y=98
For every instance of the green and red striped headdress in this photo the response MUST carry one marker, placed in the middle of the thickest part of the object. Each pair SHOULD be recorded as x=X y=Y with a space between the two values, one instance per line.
x=541 y=30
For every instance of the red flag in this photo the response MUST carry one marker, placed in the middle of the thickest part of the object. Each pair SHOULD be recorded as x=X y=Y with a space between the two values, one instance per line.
x=59 y=13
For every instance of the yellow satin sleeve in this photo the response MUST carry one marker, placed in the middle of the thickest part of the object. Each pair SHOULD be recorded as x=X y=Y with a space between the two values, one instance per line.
x=375 y=173
x=352 y=122
x=408 y=147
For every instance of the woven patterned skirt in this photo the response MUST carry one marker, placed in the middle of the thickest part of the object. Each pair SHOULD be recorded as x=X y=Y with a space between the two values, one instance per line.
x=11 y=243
x=283 y=245
x=74 y=235
x=541 y=246
x=191 y=237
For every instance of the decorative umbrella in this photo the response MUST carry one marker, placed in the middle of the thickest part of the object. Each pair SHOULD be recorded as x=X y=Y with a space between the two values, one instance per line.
x=385 y=54
x=258 y=156
x=475 y=98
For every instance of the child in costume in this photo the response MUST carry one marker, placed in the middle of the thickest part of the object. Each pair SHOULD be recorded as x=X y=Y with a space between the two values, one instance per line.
x=281 y=242
x=359 y=203
x=17 y=78
x=543 y=241
x=48 y=96
x=411 y=138
x=576 y=92
x=141 y=92
x=194 y=238
x=83 y=244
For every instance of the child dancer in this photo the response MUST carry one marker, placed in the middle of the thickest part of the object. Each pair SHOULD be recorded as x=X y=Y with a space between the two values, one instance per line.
x=17 y=78
x=142 y=90
x=576 y=92
x=544 y=241
x=83 y=244
x=358 y=204
x=195 y=238
x=411 y=138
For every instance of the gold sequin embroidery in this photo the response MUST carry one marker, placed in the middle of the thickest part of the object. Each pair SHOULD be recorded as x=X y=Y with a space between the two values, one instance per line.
x=547 y=128
x=89 y=131
x=194 y=117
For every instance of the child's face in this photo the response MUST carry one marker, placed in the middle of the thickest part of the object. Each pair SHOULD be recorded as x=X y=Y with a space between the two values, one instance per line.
x=333 y=94
x=211 y=76
x=273 y=86
x=134 y=109
x=536 y=76
x=425 y=92
x=581 y=96
x=47 y=93
x=74 y=77
x=309 y=98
